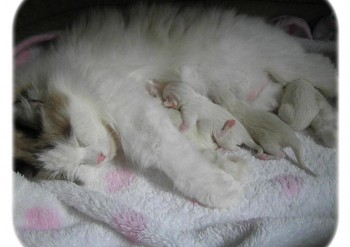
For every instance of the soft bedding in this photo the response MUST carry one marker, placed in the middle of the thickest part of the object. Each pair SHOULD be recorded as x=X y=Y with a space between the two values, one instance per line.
x=282 y=206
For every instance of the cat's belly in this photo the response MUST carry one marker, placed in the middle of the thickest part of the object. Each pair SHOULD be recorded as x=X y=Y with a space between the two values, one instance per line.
x=202 y=140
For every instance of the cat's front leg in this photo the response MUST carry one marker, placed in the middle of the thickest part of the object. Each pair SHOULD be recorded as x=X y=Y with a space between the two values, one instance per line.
x=211 y=186
x=62 y=160
x=149 y=139
x=200 y=179
x=192 y=174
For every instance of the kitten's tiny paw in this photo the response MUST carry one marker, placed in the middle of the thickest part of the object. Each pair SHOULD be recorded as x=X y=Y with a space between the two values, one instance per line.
x=264 y=157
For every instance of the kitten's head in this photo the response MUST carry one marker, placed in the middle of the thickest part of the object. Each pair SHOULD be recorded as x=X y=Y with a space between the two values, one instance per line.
x=56 y=132
x=176 y=94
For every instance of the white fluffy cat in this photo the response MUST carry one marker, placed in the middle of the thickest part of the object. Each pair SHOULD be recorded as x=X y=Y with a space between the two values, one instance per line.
x=101 y=64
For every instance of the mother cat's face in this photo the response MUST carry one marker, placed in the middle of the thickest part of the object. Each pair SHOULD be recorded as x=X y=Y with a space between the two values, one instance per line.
x=56 y=132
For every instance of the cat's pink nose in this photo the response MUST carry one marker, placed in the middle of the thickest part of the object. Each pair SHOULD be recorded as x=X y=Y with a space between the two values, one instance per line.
x=100 y=158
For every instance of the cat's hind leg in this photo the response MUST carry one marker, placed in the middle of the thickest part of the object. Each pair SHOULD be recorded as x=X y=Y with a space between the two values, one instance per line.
x=317 y=69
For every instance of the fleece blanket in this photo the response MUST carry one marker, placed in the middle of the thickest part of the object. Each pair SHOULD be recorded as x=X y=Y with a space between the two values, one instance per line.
x=120 y=205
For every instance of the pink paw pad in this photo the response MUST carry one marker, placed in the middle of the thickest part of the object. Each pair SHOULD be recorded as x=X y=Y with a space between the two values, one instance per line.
x=131 y=224
x=119 y=179
x=40 y=218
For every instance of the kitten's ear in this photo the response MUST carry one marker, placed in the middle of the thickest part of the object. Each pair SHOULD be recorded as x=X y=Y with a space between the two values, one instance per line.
x=152 y=89
x=160 y=84
x=156 y=87
x=229 y=124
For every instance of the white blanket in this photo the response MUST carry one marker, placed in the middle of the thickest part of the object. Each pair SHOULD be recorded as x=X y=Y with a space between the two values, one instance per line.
x=122 y=206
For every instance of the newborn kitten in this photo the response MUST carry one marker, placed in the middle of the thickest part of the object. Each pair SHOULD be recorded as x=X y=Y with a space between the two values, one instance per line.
x=210 y=118
x=270 y=132
x=303 y=106
x=299 y=104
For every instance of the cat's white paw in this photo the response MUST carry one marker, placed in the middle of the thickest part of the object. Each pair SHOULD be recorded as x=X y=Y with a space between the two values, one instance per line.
x=217 y=189
x=234 y=165
x=237 y=167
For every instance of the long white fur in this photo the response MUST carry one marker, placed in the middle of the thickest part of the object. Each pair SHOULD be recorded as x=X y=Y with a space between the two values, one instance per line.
x=106 y=60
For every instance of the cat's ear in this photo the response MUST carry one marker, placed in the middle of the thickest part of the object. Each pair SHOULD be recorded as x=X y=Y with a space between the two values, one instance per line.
x=37 y=110
x=28 y=111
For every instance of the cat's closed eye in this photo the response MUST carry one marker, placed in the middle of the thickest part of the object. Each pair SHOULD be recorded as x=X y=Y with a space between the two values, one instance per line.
x=78 y=142
x=89 y=155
